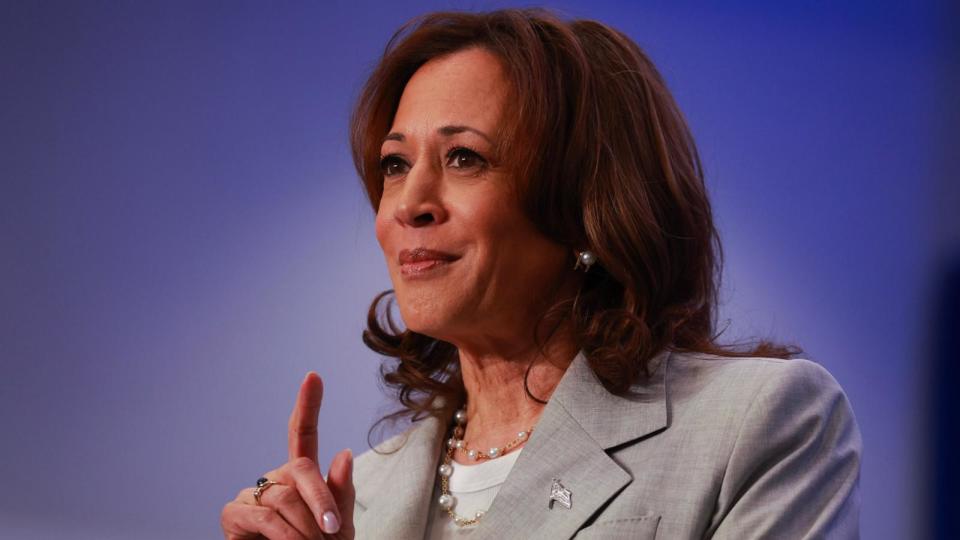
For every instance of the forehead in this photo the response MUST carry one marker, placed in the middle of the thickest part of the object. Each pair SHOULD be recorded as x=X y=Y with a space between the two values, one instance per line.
x=463 y=88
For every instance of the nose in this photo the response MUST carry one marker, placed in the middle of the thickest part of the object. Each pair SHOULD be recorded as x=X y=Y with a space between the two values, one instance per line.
x=421 y=201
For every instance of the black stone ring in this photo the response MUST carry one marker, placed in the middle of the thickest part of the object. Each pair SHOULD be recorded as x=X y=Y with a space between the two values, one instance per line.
x=262 y=484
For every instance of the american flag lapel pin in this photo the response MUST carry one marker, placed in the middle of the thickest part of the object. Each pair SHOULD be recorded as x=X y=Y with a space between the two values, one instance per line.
x=560 y=494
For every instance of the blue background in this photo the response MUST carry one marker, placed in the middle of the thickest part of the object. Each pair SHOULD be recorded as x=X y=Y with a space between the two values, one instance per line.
x=182 y=235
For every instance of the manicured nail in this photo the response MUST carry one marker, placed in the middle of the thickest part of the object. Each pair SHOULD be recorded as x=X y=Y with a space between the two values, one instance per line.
x=330 y=524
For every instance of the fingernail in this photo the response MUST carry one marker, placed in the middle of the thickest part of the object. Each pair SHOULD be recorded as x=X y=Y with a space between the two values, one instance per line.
x=330 y=524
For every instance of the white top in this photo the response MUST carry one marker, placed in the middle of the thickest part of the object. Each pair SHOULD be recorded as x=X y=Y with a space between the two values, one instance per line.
x=473 y=487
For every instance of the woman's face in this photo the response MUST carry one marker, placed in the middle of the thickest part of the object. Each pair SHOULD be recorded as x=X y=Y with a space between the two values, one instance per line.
x=467 y=266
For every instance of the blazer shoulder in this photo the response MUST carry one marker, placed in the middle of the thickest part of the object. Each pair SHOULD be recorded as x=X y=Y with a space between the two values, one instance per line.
x=745 y=376
x=796 y=454
x=782 y=441
x=722 y=391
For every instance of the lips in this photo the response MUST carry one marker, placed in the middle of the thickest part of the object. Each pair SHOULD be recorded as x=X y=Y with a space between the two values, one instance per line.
x=421 y=260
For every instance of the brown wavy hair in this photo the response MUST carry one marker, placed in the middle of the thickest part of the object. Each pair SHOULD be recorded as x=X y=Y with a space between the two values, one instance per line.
x=607 y=163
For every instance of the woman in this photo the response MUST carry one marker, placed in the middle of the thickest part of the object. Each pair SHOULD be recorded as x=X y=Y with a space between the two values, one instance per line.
x=542 y=211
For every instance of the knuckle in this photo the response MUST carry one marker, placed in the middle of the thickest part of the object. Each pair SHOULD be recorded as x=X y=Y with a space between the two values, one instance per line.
x=303 y=464
x=322 y=496
x=225 y=516
x=287 y=496
x=266 y=516
x=229 y=510
x=305 y=431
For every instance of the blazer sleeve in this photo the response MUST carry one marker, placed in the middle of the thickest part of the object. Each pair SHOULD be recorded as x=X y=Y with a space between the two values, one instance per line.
x=794 y=470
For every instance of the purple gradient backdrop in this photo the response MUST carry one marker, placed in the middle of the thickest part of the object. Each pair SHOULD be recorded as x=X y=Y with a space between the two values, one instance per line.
x=183 y=236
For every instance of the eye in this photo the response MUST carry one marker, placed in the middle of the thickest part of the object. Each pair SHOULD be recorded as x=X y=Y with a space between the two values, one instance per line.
x=393 y=165
x=461 y=157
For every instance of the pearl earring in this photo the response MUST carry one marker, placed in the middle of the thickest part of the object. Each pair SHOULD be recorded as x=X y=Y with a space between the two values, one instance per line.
x=585 y=260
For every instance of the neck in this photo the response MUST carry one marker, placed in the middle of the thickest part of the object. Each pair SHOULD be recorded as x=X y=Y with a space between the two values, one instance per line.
x=498 y=404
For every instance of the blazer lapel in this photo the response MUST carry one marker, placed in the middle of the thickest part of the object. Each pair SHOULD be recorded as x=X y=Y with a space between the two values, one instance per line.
x=580 y=423
x=396 y=504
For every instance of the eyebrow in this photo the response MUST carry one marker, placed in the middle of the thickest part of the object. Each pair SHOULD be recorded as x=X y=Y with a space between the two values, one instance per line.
x=446 y=131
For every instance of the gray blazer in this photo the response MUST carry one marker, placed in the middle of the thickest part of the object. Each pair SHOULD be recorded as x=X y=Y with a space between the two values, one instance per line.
x=709 y=447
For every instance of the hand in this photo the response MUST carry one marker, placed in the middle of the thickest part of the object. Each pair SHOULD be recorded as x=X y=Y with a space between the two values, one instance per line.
x=302 y=505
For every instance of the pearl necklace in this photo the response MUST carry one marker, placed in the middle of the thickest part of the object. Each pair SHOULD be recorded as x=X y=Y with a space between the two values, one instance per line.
x=447 y=501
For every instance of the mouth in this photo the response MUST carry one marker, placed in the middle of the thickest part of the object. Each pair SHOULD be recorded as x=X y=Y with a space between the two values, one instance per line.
x=421 y=261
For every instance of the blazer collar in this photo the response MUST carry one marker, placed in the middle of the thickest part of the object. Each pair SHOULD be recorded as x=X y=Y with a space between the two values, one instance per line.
x=395 y=503
x=580 y=423
x=610 y=419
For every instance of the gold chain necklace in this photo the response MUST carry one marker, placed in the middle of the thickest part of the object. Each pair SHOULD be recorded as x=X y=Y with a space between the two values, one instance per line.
x=446 y=500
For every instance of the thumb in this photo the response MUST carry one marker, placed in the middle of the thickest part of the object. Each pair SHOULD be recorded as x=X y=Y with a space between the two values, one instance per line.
x=340 y=482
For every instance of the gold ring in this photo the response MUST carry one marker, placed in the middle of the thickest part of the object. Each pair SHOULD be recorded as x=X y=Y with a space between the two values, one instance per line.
x=262 y=485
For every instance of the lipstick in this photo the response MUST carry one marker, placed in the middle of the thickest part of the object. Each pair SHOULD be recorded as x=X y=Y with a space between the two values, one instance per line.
x=419 y=261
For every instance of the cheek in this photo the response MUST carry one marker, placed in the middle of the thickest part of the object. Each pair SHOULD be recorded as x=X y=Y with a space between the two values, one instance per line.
x=505 y=229
x=382 y=230
x=511 y=236
x=491 y=217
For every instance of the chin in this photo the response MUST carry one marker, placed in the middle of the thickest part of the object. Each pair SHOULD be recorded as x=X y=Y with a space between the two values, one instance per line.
x=425 y=315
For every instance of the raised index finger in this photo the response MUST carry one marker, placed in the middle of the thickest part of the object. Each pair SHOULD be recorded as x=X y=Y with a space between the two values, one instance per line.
x=302 y=438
